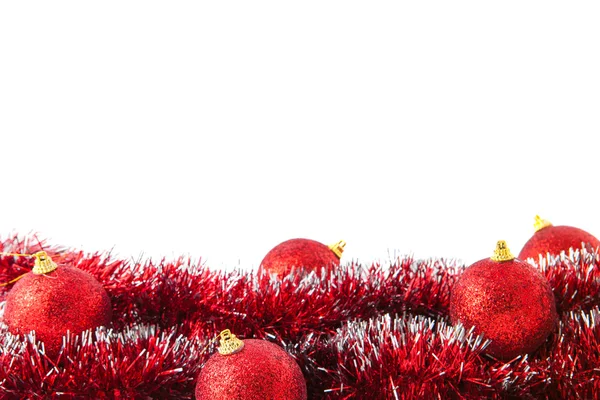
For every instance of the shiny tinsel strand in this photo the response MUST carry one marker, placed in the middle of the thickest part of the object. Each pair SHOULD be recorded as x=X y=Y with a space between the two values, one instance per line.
x=565 y=368
x=360 y=331
x=574 y=278
x=403 y=357
x=142 y=361
x=182 y=293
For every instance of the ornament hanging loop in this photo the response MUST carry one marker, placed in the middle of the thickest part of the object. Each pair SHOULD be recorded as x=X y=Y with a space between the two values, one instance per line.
x=338 y=248
x=541 y=223
x=229 y=343
x=43 y=263
x=502 y=252
x=13 y=281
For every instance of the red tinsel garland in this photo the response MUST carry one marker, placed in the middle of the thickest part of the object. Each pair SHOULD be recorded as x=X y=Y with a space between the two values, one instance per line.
x=378 y=332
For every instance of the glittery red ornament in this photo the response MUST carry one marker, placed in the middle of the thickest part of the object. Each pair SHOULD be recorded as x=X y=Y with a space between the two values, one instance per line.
x=52 y=300
x=555 y=239
x=250 y=370
x=508 y=301
x=306 y=254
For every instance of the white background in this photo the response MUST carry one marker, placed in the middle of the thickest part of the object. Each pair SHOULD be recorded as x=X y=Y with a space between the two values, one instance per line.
x=219 y=130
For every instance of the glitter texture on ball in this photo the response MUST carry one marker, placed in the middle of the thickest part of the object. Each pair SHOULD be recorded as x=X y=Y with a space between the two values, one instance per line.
x=508 y=301
x=56 y=301
x=556 y=239
x=301 y=254
x=250 y=370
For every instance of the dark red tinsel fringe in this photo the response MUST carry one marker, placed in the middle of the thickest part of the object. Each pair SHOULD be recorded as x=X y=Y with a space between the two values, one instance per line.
x=376 y=332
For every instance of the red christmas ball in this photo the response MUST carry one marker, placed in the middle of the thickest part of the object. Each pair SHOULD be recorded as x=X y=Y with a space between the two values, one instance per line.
x=555 y=239
x=250 y=370
x=508 y=301
x=53 y=299
x=306 y=254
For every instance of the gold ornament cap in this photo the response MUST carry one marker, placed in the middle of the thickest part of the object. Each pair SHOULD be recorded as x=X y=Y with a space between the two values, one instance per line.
x=502 y=252
x=541 y=223
x=229 y=343
x=43 y=263
x=338 y=248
